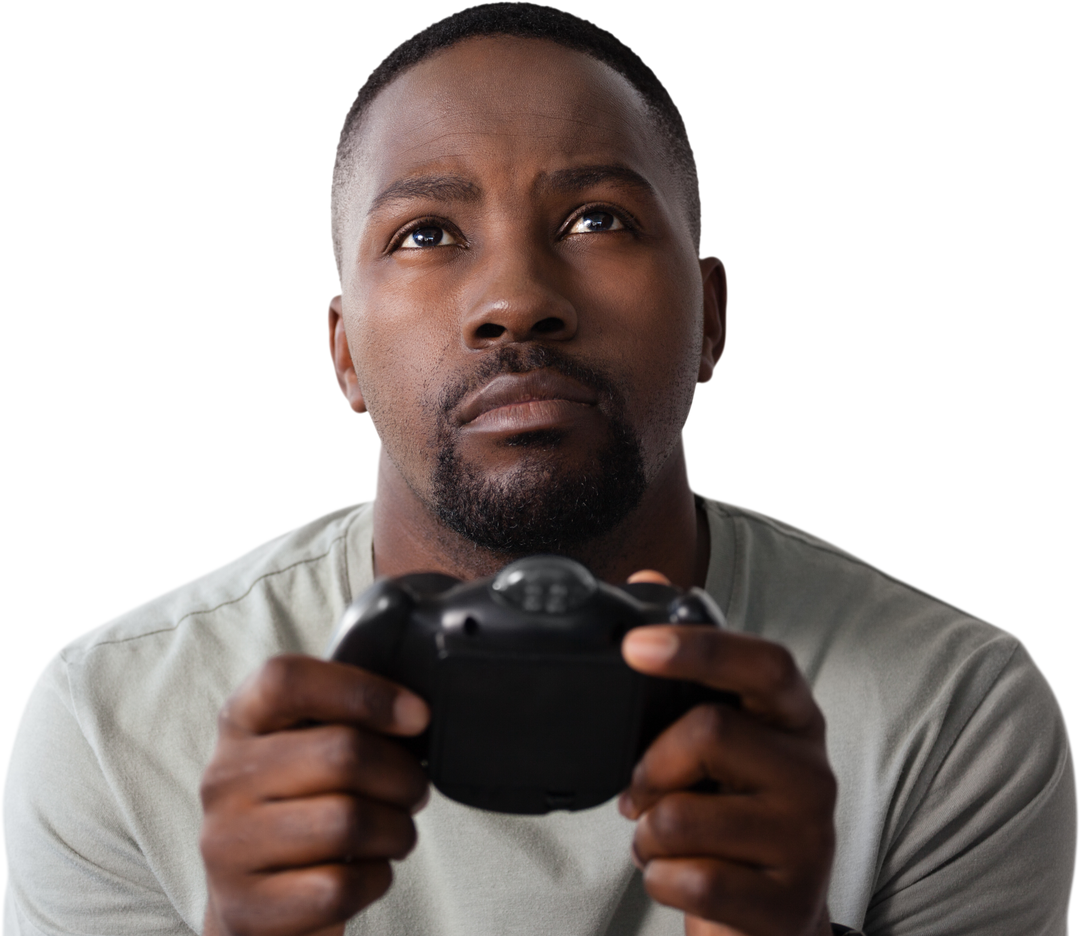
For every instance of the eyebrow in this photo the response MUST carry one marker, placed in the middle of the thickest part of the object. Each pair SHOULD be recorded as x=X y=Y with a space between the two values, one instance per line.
x=456 y=188
x=437 y=187
x=579 y=178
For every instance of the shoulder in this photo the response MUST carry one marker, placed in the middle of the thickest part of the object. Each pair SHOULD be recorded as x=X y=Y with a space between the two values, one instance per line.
x=882 y=657
x=835 y=610
x=101 y=795
x=949 y=748
x=158 y=671
x=315 y=551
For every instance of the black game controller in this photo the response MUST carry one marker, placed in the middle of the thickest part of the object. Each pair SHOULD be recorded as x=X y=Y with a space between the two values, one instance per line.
x=533 y=707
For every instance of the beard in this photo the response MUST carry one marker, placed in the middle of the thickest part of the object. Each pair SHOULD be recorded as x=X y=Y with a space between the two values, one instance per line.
x=540 y=505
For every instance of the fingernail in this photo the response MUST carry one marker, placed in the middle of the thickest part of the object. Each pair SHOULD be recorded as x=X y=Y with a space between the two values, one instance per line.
x=410 y=713
x=650 y=646
x=635 y=857
x=626 y=804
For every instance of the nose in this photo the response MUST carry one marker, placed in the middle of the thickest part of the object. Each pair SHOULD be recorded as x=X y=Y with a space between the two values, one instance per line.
x=518 y=298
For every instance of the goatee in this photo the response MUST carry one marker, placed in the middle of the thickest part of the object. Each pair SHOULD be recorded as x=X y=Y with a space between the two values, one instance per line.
x=541 y=505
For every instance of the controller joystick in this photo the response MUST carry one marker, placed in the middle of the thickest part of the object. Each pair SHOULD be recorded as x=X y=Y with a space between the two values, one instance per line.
x=533 y=707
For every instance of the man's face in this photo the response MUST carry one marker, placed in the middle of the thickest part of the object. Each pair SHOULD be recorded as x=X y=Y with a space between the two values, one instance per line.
x=520 y=292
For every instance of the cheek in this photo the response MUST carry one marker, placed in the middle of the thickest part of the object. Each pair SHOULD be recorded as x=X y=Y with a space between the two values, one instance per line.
x=398 y=361
x=653 y=323
x=657 y=354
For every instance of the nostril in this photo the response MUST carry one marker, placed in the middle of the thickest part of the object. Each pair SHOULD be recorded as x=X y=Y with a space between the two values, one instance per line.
x=548 y=325
x=489 y=330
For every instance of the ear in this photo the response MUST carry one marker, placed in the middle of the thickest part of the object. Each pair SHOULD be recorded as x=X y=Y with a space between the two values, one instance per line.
x=714 y=300
x=343 y=362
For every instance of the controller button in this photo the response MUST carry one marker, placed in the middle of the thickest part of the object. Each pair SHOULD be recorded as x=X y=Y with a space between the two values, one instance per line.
x=695 y=607
x=545 y=584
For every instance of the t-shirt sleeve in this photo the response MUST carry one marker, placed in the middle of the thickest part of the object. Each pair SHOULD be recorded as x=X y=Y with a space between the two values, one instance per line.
x=74 y=865
x=988 y=845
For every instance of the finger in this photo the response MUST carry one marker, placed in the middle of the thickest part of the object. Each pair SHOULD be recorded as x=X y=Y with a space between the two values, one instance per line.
x=311 y=831
x=649 y=575
x=721 y=743
x=696 y=926
x=311 y=761
x=741 y=829
x=292 y=690
x=762 y=673
x=742 y=898
x=304 y=900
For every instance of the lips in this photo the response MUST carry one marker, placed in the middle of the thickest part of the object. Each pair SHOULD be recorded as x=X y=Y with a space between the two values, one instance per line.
x=523 y=400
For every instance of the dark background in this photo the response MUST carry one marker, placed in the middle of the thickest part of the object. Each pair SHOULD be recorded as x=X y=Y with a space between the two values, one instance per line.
x=878 y=388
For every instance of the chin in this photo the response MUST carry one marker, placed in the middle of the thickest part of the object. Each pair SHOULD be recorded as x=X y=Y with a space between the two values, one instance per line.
x=544 y=501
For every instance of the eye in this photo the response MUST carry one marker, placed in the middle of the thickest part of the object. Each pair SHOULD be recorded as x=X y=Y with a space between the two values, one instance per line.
x=427 y=235
x=595 y=221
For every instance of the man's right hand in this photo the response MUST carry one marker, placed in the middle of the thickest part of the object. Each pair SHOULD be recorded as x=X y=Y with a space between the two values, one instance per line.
x=306 y=800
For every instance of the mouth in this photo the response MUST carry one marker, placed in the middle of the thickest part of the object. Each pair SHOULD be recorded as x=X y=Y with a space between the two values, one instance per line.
x=529 y=402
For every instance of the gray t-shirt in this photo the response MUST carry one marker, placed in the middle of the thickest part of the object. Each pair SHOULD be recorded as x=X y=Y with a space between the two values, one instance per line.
x=956 y=811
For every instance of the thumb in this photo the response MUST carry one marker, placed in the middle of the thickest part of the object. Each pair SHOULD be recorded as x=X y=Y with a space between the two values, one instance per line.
x=649 y=575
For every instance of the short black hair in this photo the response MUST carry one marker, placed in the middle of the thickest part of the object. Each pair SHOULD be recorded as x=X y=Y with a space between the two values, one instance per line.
x=524 y=21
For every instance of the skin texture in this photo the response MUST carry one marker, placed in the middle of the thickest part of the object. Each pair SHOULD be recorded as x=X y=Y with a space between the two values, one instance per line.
x=491 y=149
x=629 y=303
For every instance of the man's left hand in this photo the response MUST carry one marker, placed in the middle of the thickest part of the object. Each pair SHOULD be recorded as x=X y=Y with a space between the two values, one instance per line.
x=755 y=857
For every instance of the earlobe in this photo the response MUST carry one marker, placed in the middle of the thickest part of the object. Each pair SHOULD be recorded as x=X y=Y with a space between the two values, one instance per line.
x=714 y=325
x=343 y=362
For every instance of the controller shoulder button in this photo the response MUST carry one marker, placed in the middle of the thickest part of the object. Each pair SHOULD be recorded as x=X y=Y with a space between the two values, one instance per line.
x=695 y=606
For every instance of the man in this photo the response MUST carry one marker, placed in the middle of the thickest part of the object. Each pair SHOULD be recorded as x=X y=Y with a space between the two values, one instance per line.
x=524 y=316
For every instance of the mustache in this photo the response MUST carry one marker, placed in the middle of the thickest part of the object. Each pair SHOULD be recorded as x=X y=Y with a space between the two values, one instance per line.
x=511 y=359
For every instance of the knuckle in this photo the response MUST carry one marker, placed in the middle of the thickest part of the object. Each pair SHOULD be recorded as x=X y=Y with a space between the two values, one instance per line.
x=711 y=647
x=710 y=723
x=404 y=839
x=217 y=783
x=639 y=777
x=332 y=894
x=341 y=752
x=378 y=877
x=417 y=787
x=811 y=844
x=781 y=672
x=262 y=692
x=233 y=910
x=277 y=677
x=354 y=826
x=823 y=840
x=232 y=763
x=819 y=787
x=702 y=885
x=813 y=724
x=828 y=789
x=210 y=786
x=374 y=700
x=209 y=842
x=668 y=821
x=342 y=824
x=328 y=893
x=229 y=717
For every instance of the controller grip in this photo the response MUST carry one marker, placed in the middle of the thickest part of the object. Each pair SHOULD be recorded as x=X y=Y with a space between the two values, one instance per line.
x=372 y=628
x=667 y=700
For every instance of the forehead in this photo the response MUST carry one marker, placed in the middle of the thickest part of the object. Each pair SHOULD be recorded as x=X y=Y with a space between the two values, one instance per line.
x=503 y=108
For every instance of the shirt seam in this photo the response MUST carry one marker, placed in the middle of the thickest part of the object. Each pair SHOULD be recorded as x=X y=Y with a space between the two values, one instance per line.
x=173 y=625
x=839 y=551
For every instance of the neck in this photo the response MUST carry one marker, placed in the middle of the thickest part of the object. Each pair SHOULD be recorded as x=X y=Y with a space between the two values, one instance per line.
x=664 y=532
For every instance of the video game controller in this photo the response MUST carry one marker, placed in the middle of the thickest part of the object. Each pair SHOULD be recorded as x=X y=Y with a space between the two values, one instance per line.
x=533 y=707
